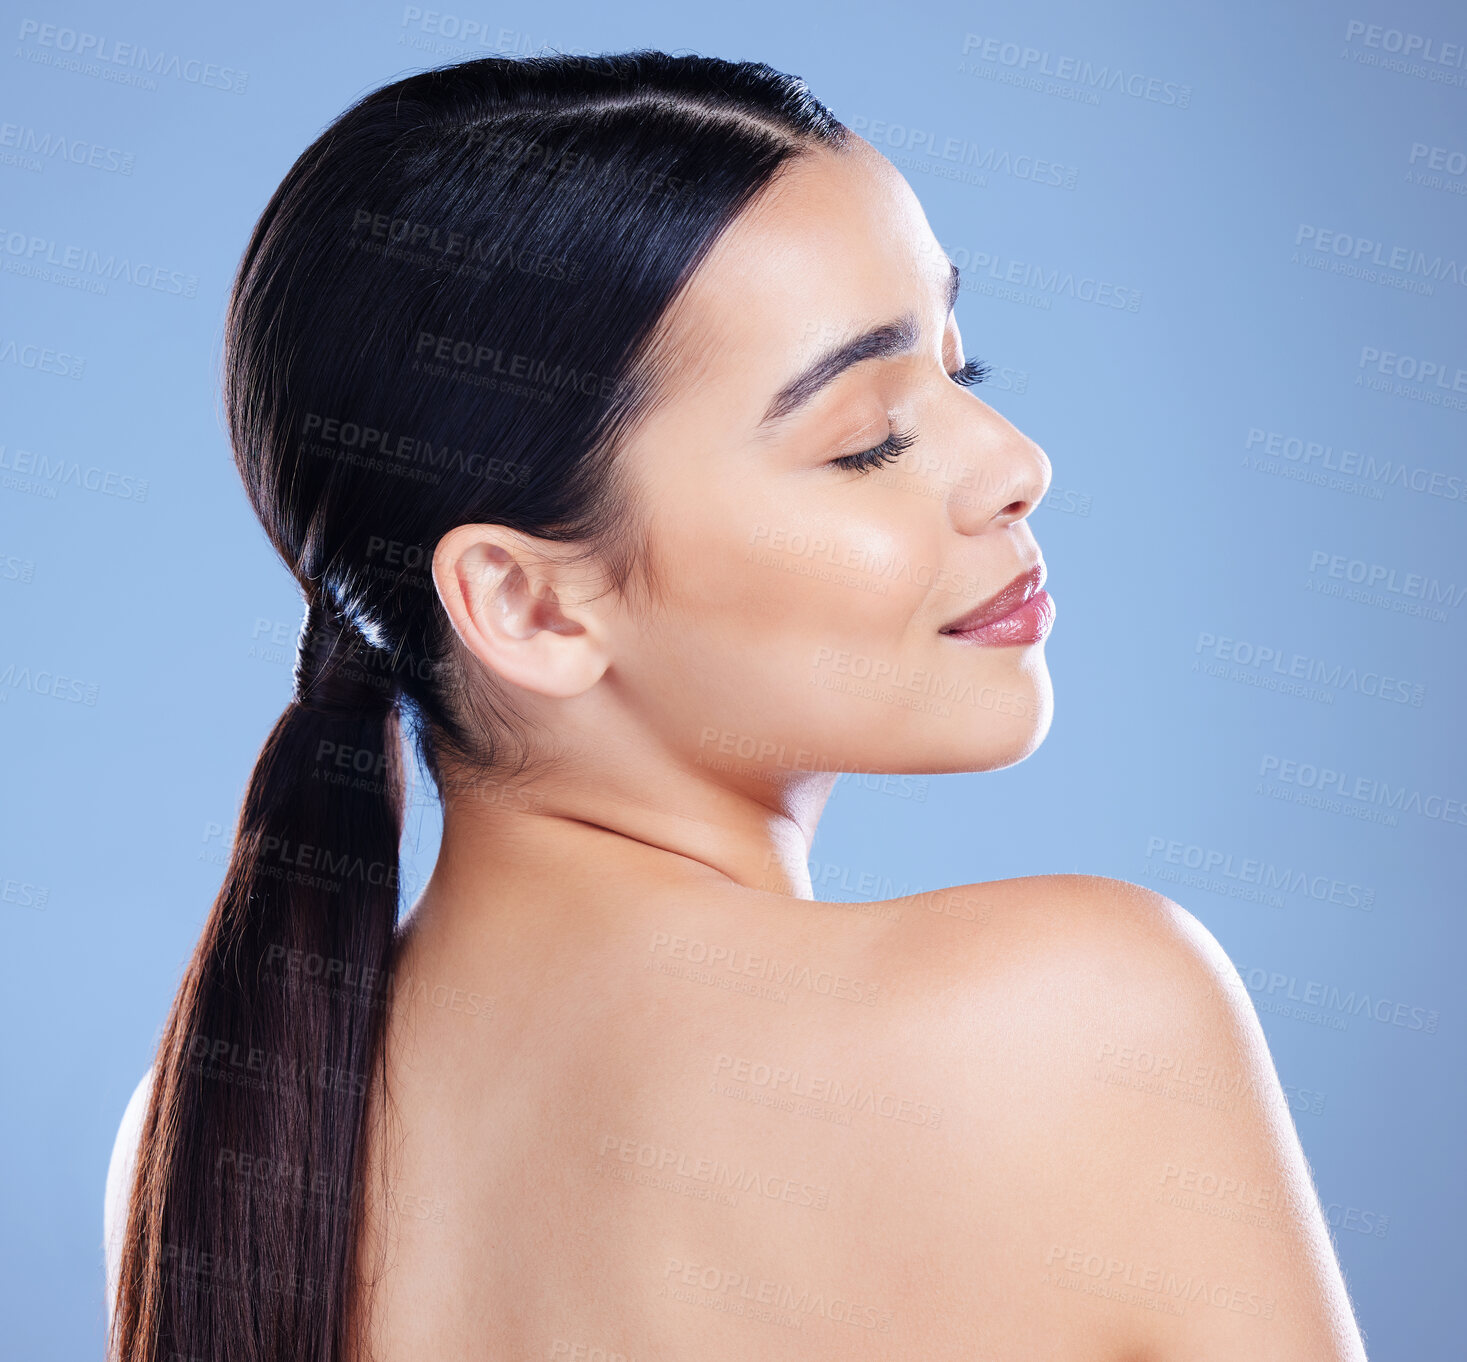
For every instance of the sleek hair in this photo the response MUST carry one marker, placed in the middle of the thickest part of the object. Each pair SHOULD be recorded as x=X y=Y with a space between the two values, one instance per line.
x=447 y=313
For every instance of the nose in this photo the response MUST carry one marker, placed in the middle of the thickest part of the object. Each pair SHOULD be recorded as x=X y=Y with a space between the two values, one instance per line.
x=1003 y=473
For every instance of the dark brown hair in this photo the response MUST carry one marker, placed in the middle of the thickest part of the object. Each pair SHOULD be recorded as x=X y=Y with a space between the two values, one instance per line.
x=446 y=314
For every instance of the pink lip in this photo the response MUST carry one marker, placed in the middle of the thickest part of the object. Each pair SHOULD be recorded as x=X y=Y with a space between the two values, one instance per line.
x=1019 y=614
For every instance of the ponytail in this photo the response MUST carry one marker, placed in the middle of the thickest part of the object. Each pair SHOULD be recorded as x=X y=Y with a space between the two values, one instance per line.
x=613 y=175
x=241 y=1230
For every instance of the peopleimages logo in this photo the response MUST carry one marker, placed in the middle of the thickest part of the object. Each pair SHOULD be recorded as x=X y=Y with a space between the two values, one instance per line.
x=848 y=1095
x=1313 y=670
x=1360 y=250
x=1437 y=381
x=983 y=270
x=1276 y=989
x=42 y=358
x=1249 y=870
x=738 y=1292
x=770 y=969
x=1034 y=61
x=1413 y=46
x=44 y=256
x=1447 y=159
x=736 y=1177
x=95 y=53
x=32 y=144
x=53 y=471
x=1150 y=1285
x=1379 y=577
x=1378 y=472
x=960 y=152
x=1325 y=780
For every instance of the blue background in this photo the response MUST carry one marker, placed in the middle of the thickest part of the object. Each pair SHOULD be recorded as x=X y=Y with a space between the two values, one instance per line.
x=174 y=625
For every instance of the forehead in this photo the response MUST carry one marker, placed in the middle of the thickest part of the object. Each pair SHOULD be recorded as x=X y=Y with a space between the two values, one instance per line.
x=838 y=243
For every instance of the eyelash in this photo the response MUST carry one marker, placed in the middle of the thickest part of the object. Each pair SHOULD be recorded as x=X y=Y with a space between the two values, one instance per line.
x=973 y=372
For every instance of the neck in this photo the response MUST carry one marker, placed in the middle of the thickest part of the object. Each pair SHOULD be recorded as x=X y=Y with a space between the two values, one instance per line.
x=688 y=826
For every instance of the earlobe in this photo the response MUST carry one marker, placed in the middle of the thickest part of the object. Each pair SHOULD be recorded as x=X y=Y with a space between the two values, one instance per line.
x=504 y=599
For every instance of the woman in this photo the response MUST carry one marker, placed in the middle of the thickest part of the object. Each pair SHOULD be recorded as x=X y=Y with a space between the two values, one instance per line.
x=612 y=415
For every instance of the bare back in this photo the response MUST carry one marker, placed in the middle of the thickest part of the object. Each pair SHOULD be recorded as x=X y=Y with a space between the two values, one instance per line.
x=750 y=1126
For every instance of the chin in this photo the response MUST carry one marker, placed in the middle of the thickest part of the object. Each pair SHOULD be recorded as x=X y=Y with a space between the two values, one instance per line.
x=1029 y=744
x=1006 y=739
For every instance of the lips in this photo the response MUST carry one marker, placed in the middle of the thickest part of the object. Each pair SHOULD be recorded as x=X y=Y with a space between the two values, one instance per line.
x=1020 y=613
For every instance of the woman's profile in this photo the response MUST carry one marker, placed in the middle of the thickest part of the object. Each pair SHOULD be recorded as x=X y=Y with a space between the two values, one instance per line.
x=612 y=415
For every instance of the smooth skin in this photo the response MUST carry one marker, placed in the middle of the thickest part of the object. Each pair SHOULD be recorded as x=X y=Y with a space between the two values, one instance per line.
x=663 y=1103
x=649 y=1096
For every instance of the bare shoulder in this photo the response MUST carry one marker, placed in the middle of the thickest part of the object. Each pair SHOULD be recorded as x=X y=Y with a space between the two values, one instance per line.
x=120 y=1169
x=1102 y=978
x=1084 y=940
x=1130 y=1132
x=1053 y=909
x=1086 y=970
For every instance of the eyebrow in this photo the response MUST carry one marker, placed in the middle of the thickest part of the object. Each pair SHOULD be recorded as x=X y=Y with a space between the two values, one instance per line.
x=881 y=342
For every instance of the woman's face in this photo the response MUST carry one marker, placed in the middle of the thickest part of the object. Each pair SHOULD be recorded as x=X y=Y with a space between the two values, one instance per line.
x=801 y=624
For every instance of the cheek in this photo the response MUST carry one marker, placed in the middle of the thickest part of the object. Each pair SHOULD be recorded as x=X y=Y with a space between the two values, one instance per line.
x=761 y=574
x=764 y=604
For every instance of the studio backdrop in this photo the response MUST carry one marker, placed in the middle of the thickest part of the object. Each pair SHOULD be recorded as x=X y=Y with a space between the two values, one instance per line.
x=1217 y=257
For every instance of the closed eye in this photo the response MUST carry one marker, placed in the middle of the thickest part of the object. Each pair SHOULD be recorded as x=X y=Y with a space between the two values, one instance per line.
x=973 y=372
x=889 y=450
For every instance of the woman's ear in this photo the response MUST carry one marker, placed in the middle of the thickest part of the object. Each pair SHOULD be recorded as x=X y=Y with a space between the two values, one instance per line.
x=524 y=608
